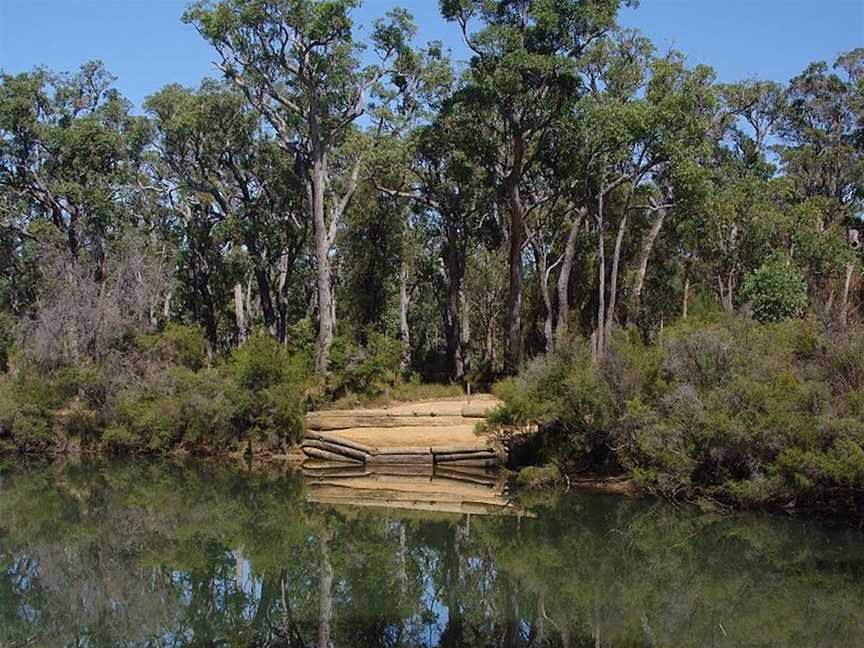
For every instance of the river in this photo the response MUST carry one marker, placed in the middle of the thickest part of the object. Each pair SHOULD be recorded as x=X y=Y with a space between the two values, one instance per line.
x=145 y=553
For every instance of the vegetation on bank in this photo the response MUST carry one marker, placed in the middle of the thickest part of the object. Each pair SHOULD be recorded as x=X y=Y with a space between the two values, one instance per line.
x=722 y=407
x=194 y=274
x=158 y=393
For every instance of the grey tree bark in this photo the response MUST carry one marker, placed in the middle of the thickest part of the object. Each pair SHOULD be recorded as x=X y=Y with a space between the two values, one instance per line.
x=564 y=275
x=404 y=329
x=847 y=284
x=645 y=249
x=239 y=313
x=613 y=279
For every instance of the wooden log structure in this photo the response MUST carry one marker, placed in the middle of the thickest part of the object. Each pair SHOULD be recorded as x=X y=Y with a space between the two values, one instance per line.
x=368 y=436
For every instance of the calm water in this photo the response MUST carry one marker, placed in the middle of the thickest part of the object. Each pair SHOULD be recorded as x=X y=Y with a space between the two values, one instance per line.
x=157 y=554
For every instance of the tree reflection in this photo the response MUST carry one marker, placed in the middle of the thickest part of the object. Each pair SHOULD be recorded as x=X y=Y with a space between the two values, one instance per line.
x=120 y=554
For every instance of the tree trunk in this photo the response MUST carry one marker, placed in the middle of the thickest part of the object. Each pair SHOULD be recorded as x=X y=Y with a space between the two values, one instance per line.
x=326 y=313
x=464 y=334
x=239 y=313
x=455 y=269
x=642 y=266
x=601 y=283
x=613 y=280
x=727 y=291
x=564 y=277
x=404 y=330
x=844 y=306
x=517 y=238
x=542 y=261
x=452 y=331
x=686 y=297
x=264 y=295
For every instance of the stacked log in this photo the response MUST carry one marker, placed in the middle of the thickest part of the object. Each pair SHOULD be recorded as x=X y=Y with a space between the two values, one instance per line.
x=327 y=430
x=330 y=447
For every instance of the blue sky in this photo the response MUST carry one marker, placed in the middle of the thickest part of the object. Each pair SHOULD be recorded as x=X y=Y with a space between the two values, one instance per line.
x=146 y=46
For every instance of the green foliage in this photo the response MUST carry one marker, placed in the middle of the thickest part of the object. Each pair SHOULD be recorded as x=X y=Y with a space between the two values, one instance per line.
x=177 y=344
x=170 y=402
x=272 y=383
x=364 y=369
x=752 y=414
x=538 y=476
x=562 y=390
x=776 y=291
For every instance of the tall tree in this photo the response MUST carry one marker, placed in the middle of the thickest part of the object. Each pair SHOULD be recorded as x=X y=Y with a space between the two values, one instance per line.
x=297 y=63
x=64 y=145
x=523 y=75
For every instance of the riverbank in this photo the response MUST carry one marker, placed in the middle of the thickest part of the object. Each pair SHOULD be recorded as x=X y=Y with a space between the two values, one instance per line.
x=743 y=414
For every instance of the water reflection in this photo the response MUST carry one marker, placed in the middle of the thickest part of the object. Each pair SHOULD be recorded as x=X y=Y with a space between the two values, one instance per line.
x=156 y=554
x=435 y=489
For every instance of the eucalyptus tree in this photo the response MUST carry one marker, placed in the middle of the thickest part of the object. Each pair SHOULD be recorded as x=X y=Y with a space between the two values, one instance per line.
x=823 y=149
x=297 y=63
x=64 y=145
x=523 y=77
x=212 y=153
x=425 y=81
x=676 y=129
x=460 y=213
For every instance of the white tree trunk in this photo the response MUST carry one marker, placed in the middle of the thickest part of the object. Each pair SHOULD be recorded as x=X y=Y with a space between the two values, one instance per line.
x=239 y=313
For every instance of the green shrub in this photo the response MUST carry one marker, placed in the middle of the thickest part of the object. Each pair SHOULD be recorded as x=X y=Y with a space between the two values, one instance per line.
x=561 y=390
x=177 y=407
x=749 y=413
x=776 y=291
x=539 y=476
x=272 y=384
x=7 y=339
x=177 y=344
x=365 y=370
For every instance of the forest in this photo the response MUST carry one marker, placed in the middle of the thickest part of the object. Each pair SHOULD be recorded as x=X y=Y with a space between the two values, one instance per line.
x=660 y=271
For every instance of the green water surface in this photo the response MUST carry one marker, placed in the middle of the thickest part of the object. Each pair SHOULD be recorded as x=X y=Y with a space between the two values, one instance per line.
x=196 y=554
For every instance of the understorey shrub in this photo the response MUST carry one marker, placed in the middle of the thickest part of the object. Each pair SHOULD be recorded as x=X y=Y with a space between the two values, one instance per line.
x=733 y=409
x=366 y=369
x=775 y=291
x=169 y=399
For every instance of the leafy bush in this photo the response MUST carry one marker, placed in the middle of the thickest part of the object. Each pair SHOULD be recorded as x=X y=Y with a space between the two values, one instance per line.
x=177 y=407
x=744 y=412
x=272 y=384
x=170 y=400
x=177 y=344
x=563 y=393
x=364 y=369
x=776 y=291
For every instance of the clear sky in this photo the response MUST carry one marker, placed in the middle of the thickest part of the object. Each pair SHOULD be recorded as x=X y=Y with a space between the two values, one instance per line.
x=146 y=46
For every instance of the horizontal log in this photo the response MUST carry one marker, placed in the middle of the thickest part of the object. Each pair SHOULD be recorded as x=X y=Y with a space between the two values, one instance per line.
x=332 y=438
x=436 y=507
x=351 y=471
x=409 y=450
x=326 y=422
x=479 y=463
x=483 y=454
x=460 y=448
x=466 y=478
x=396 y=471
x=330 y=456
x=338 y=449
x=402 y=459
